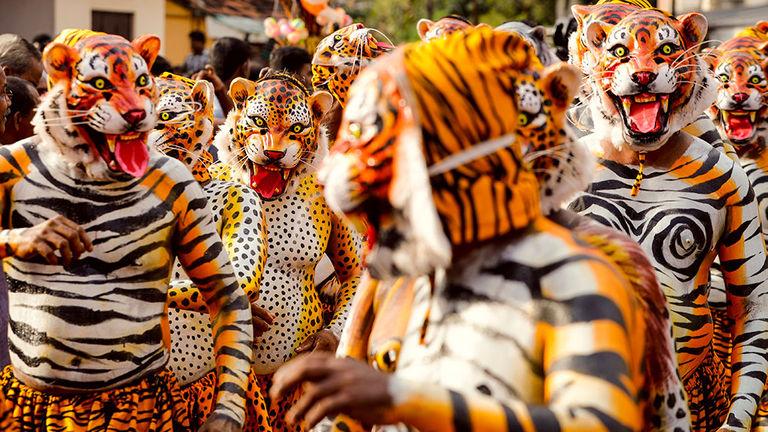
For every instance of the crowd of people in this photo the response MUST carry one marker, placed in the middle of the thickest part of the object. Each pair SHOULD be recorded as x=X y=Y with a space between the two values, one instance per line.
x=519 y=236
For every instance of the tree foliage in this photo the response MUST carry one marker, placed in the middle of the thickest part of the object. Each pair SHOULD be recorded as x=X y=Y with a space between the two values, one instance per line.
x=397 y=18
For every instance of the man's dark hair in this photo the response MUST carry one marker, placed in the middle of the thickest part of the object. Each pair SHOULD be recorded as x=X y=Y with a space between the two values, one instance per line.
x=290 y=59
x=197 y=35
x=23 y=99
x=41 y=41
x=17 y=54
x=228 y=54
x=160 y=66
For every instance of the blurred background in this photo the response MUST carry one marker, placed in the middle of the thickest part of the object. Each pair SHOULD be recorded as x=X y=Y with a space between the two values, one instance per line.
x=304 y=22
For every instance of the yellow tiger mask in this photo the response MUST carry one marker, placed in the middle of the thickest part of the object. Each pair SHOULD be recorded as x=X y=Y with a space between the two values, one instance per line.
x=395 y=161
x=273 y=128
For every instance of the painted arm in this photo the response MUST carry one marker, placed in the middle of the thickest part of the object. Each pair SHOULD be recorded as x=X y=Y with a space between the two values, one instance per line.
x=344 y=251
x=590 y=368
x=203 y=257
x=744 y=266
x=589 y=331
x=244 y=235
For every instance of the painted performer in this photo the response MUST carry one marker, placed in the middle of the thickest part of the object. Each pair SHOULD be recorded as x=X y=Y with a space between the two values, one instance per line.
x=185 y=131
x=93 y=222
x=272 y=142
x=511 y=338
x=685 y=202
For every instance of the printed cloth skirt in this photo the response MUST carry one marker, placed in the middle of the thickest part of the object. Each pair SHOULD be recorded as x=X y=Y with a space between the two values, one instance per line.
x=261 y=415
x=151 y=405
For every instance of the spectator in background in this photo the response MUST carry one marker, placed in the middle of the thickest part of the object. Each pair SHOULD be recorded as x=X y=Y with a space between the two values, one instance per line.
x=20 y=58
x=5 y=103
x=294 y=60
x=41 y=41
x=197 y=60
x=18 y=124
x=160 y=66
x=230 y=59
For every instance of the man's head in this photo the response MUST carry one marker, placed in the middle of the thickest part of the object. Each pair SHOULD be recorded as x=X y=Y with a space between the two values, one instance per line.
x=230 y=58
x=197 y=41
x=293 y=60
x=5 y=100
x=24 y=99
x=20 y=58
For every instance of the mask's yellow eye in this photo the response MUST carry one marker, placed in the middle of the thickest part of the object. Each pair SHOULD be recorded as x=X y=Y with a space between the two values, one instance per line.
x=522 y=119
x=667 y=49
x=386 y=356
x=297 y=128
x=99 y=83
x=755 y=79
x=142 y=81
x=165 y=116
x=620 y=51
x=259 y=122
x=337 y=38
x=723 y=78
x=355 y=130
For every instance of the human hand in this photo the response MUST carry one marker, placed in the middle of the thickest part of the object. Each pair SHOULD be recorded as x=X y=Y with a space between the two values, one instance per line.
x=324 y=340
x=56 y=234
x=262 y=320
x=334 y=386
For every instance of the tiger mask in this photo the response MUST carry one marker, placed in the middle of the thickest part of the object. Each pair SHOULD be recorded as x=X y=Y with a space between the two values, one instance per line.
x=429 y=30
x=648 y=82
x=96 y=118
x=341 y=56
x=184 y=127
x=272 y=130
x=406 y=119
x=741 y=108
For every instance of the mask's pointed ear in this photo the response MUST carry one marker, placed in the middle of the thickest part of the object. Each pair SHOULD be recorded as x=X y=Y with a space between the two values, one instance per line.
x=59 y=61
x=320 y=102
x=580 y=12
x=423 y=26
x=597 y=32
x=762 y=27
x=538 y=33
x=239 y=91
x=693 y=28
x=202 y=95
x=148 y=47
x=560 y=83
x=764 y=48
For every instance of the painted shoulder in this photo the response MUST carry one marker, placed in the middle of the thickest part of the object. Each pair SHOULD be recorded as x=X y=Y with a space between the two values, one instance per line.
x=714 y=158
x=171 y=167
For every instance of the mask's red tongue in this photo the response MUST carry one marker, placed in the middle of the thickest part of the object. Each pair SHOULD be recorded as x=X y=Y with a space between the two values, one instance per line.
x=644 y=116
x=739 y=128
x=268 y=183
x=132 y=156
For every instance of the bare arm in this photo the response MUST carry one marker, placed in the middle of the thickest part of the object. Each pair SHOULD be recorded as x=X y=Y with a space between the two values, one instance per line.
x=743 y=263
x=202 y=254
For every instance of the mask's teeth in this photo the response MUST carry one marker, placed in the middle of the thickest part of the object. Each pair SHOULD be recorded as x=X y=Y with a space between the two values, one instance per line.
x=726 y=115
x=752 y=116
x=112 y=143
x=113 y=165
x=285 y=174
x=665 y=104
x=627 y=104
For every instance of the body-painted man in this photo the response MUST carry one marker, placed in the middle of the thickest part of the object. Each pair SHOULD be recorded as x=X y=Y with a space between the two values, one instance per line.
x=684 y=202
x=272 y=143
x=93 y=223
x=442 y=193
x=185 y=132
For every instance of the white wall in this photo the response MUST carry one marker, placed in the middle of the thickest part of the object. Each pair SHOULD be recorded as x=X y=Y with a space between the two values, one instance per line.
x=148 y=15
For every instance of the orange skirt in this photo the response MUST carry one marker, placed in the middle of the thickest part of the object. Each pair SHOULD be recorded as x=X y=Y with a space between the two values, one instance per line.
x=151 y=405
x=261 y=415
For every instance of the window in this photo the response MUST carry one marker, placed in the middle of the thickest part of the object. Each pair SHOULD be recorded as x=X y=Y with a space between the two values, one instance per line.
x=118 y=23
